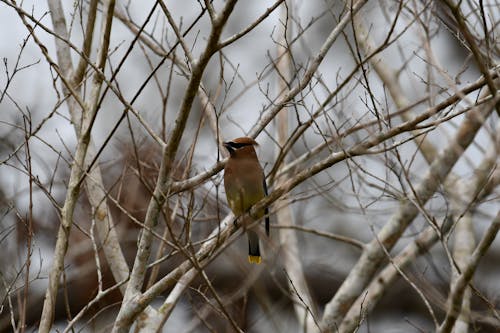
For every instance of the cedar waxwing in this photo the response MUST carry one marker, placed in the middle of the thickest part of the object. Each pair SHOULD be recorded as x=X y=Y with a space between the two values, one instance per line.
x=245 y=185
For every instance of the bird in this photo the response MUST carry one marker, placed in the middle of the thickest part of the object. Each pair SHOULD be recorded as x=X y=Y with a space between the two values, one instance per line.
x=245 y=185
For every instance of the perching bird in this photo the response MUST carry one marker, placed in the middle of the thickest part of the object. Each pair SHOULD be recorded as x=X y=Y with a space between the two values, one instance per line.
x=245 y=185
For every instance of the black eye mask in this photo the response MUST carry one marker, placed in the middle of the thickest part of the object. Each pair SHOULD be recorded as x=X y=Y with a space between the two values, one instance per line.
x=237 y=145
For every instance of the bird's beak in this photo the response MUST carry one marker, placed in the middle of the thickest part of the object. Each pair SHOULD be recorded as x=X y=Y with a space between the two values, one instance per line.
x=228 y=146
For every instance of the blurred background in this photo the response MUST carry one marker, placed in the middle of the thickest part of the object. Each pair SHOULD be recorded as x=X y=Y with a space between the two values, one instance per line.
x=392 y=62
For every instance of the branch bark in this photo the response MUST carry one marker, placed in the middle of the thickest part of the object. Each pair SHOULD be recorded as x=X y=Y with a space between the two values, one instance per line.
x=460 y=285
x=366 y=266
x=164 y=181
x=78 y=167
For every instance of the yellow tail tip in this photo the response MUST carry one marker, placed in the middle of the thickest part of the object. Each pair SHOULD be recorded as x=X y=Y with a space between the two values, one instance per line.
x=254 y=259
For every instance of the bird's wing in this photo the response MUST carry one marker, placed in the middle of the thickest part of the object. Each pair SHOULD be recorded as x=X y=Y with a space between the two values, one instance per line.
x=266 y=210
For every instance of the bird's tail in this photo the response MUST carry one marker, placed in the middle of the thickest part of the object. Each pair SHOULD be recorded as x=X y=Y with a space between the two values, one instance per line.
x=253 y=247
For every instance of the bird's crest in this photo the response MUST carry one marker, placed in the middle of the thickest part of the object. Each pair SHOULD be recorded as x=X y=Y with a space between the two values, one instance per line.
x=239 y=143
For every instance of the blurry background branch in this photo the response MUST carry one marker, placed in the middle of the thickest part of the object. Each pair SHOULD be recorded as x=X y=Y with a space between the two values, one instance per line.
x=377 y=135
x=303 y=303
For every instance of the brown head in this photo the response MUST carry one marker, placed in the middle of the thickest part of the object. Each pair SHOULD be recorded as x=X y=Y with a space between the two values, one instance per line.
x=241 y=147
